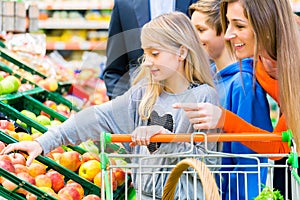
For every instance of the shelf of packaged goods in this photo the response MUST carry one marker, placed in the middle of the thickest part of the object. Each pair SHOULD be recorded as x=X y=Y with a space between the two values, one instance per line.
x=75 y=5
x=86 y=45
x=72 y=24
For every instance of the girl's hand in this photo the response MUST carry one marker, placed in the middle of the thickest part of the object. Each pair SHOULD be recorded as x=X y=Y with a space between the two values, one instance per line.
x=142 y=134
x=33 y=149
x=202 y=115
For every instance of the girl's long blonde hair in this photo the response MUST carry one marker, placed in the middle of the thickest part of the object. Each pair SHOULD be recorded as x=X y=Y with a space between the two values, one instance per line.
x=170 y=32
x=277 y=33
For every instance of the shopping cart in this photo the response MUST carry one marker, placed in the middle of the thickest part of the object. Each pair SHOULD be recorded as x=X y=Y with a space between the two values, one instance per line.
x=192 y=168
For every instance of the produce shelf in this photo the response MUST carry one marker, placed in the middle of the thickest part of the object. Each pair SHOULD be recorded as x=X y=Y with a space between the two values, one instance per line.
x=12 y=109
x=4 y=53
x=44 y=95
x=63 y=87
x=36 y=88
x=89 y=187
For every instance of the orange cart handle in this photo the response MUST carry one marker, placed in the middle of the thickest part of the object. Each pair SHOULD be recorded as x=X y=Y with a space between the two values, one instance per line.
x=211 y=137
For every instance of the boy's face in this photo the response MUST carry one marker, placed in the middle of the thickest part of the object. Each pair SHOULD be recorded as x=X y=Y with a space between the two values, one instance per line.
x=213 y=44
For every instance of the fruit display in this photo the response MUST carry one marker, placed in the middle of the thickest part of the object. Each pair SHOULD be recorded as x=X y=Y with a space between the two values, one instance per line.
x=30 y=103
x=84 y=165
x=46 y=74
x=43 y=174
x=12 y=84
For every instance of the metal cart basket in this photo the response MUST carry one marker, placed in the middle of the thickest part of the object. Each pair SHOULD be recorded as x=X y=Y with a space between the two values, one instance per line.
x=174 y=181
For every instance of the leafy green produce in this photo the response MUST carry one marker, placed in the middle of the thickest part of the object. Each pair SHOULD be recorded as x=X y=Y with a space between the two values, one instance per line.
x=269 y=194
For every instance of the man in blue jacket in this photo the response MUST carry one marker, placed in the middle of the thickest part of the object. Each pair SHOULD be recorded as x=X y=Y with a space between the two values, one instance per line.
x=124 y=46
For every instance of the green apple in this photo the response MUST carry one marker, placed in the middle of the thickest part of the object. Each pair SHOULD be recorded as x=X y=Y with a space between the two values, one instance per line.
x=14 y=80
x=7 y=87
x=10 y=84
x=43 y=120
x=29 y=114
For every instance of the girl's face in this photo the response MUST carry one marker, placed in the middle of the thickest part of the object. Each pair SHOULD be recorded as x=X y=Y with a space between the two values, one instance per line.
x=239 y=31
x=163 y=65
x=213 y=44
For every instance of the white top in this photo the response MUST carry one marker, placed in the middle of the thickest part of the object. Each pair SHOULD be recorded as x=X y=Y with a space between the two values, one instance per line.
x=158 y=7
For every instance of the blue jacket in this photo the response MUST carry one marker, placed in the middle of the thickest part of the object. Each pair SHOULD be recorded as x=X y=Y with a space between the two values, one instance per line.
x=124 y=46
x=238 y=94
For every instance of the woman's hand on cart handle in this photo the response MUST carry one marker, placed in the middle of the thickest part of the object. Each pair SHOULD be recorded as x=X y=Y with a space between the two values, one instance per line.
x=33 y=149
x=142 y=134
x=202 y=115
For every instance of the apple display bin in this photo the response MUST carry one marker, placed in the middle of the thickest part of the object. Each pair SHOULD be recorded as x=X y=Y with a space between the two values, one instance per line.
x=45 y=95
x=22 y=184
x=11 y=109
x=63 y=87
x=89 y=187
x=38 y=92
x=36 y=89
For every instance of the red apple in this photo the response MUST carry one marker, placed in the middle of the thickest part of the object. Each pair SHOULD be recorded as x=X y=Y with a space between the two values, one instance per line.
x=7 y=165
x=44 y=114
x=17 y=158
x=20 y=168
x=71 y=192
x=71 y=160
x=36 y=168
x=57 y=179
x=50 y=104
x=62 y=108
x=120 y=176
x=77 y=186
x=91 y=197
x=98 y=180
x=43 y=180
x=51 y=84
x=7 y=125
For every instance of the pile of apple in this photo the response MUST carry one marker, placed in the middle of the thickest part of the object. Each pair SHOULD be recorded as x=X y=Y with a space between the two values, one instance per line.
x=87 y=166
x=49 y=181
x=60 y=108
x=8 y=127
x=43 y=119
